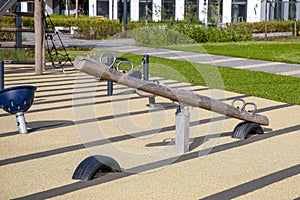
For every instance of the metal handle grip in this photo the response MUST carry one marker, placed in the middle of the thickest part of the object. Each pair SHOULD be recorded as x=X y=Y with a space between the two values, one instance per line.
x=125 y=62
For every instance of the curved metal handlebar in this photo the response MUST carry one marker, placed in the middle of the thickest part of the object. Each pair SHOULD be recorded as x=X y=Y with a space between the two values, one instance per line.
x=254 y=107
x=108 y=55
x=240 y=100
x=109 y=63
x=125 y=62
x=244 y=105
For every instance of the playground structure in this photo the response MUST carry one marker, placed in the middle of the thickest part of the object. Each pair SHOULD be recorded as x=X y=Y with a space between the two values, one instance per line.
x=239 y=109
x=45 y=33
x=17 y=100
x=56 y=49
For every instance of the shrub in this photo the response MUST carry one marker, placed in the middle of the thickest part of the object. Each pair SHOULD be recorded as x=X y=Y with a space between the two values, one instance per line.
x=164 y=32
x=157 y=36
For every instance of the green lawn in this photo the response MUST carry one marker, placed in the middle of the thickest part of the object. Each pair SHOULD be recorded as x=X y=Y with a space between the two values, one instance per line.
x=280 y=50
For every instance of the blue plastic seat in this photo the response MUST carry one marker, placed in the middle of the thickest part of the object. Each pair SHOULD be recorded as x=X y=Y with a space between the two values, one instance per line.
x=17 y=99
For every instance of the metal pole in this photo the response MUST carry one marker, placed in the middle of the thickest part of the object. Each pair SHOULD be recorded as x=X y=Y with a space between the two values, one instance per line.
x=109 y=88
x=18 y=25
x=1 y=74
x=146 y=77
x=125 y=15
x=146 y=67
x=182 y=129
x=21 y=123
x=110 y=60
x=69 y=5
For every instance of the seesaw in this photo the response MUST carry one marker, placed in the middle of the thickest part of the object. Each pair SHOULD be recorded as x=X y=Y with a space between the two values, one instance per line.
x=251 y=120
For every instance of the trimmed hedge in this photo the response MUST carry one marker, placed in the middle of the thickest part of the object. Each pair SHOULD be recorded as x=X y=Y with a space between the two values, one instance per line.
x=7 y=22
x=273 y=26
x=101 y=28
x=188 y=33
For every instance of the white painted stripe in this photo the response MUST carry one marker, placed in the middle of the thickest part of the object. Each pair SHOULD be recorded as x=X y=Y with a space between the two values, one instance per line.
x=126 y=50
x=162 y=52
x=290 y=72
x=222 y=60
x=259 y=65
x=189 y=56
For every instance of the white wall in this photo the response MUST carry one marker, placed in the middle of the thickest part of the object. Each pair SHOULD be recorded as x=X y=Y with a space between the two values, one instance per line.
x=179 y=9
x=92 y=8
x=134 y=10
x=253 y=10
x=202 y=14
x=110 y=9
x=115 y=9
x=262 y=11
x=156 y=10
x=24 y=7
x=226 y=17
x=298 y=10
x=285 y=9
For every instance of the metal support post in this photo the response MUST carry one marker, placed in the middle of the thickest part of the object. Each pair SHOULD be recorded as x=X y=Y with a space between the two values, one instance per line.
x=152 y=102
x=182 y=129
x=110 y=60
x=109 y=88
x=1 y=74
x=146 y=77
x=125 y=14
x=146 y=67
x=18 y=25
x=21 y=123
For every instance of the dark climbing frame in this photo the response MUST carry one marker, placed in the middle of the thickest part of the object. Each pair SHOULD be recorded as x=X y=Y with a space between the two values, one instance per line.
x=56 y=49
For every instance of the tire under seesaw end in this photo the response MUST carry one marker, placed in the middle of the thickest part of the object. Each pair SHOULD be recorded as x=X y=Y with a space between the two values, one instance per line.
x=244 y=129
x=93 y=165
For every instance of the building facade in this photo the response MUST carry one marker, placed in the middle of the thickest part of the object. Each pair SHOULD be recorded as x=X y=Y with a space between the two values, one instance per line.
x=206 y=11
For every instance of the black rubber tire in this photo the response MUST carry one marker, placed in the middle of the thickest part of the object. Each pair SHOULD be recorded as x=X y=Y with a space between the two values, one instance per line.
x=93 y=165
x=243 y=129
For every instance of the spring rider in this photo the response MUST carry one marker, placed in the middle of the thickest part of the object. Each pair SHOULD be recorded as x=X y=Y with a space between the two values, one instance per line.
x=17 y=100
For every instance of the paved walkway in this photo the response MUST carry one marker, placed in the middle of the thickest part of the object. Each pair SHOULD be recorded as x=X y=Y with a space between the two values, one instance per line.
x=127 y=45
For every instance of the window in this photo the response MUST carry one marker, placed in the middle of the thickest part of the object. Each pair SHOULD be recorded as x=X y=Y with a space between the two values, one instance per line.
x=30 y=7
x=190 y=13
x=102 y=8
x=168 y=10
x=213 y=8
x=145 y=9
x=239 y=10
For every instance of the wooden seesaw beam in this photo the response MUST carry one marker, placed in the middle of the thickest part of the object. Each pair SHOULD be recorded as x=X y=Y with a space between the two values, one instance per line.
x=100 y=70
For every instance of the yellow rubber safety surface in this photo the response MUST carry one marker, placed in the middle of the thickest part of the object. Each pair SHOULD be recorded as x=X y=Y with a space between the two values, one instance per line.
x=73 y=118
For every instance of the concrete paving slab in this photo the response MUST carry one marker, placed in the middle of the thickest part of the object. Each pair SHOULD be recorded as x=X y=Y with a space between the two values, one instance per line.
x=40 y=165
